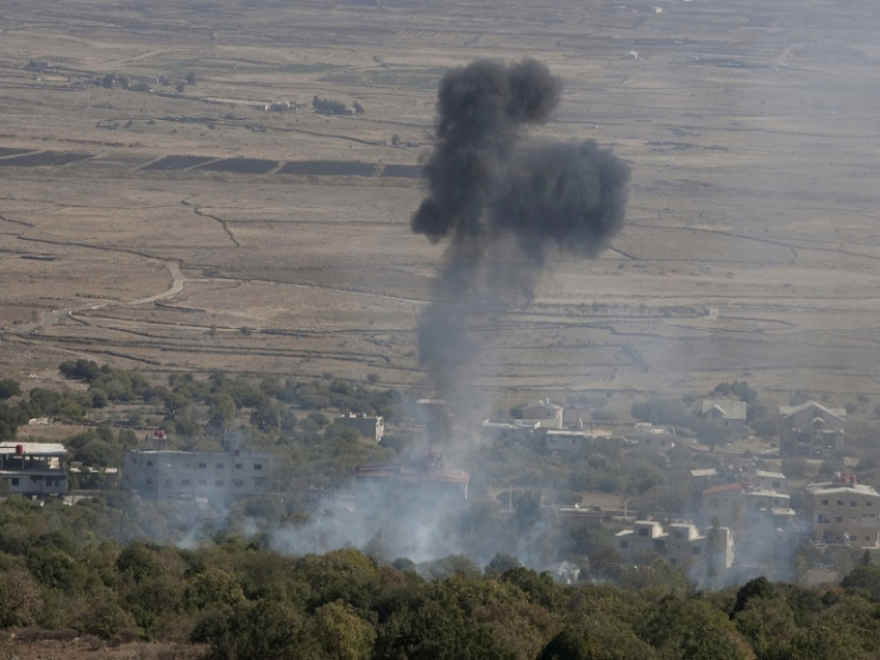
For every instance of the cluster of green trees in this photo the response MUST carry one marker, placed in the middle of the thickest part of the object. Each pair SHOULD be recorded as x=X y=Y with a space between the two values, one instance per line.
x=58 y=570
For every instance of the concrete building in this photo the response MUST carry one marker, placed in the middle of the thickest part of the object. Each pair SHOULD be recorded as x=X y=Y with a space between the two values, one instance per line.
x=34 y=469
x=684 y=543
x=564 y=440
x=369 y=427
x=771 y=481
x=549 y=415
x=425 y=483
x=747 y=509
x=846 y=512
x=729 y=415
x=810 y=430
x=680 y=544
x=508 y=429
x=648 y=436
x=645 y=538
x=211 y=476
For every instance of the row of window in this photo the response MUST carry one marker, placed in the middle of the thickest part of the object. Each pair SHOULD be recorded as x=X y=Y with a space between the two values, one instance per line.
x=697 y=549
x=204 y=466
x=867 y=519
x=259 y=482
x=49 y=481
x=854 y=504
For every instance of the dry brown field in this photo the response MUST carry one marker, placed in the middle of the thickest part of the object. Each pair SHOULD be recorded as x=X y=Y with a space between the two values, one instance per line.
x=194 y=230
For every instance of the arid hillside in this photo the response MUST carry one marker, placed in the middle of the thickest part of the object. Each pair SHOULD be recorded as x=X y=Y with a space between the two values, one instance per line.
x=170 y=199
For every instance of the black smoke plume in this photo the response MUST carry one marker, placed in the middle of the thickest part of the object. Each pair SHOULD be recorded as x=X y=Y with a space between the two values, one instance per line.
x=505 y=203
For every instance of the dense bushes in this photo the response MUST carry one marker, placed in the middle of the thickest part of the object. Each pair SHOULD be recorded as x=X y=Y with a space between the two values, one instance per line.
x=245 y=601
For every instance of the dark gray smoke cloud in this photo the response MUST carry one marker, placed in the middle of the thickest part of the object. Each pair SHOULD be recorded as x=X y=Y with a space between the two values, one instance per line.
x=490 y=187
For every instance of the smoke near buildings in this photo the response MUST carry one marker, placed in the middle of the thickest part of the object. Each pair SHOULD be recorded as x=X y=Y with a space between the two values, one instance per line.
x=505 y=203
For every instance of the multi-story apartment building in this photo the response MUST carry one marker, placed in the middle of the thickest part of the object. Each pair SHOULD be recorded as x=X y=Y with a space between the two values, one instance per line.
x=810 y=430
x=213 y=476
x=846 y=512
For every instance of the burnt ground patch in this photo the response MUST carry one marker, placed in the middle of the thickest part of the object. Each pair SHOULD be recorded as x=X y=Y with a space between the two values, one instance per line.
x=403 y=171
x=43 y=158
x=328 y=168
x=11 y=151
x=241 y=166
x=177 y=162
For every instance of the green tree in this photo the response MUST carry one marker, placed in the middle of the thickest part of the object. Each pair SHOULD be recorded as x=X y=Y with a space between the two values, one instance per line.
x=342 y=633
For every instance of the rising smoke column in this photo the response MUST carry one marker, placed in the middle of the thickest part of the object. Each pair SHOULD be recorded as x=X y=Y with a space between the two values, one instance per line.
x=490 y=187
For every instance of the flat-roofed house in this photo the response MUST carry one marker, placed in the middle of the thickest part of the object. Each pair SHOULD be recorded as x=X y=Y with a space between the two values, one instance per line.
x=34 y=469
x=845 y=511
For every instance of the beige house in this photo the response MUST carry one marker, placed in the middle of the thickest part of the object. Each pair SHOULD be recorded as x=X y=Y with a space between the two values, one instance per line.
x=747 y=509
x=646 y=537
x=810 y=430
x=846 y=512
x=549 y=415
x=681 y=543
x=729 y=415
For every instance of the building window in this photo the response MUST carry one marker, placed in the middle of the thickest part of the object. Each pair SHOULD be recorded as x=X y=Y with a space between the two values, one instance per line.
x=15 y=481
x=203 y=482
x=219 y=466
x=679 y=534
x=841 y=502
x=822 y=519
x=838 y=520
x=853 y=504
x=238 y=483
x=854 y=520
x=624 y=545
x=258 y=466
x=643 y=531
x=219 y=483
x=697 y=549
x=185 y=482
x=261 y=482
x=869 y=503
x=824 y=502
x=238 y=466
x=867 y=539
x=149 y=463
x=149 y=480
x=203 y=466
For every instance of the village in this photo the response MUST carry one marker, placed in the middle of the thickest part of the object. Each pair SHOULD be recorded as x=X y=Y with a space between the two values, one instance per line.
x=742 y=516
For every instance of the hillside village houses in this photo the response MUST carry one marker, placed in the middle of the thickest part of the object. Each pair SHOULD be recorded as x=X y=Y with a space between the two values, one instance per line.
x=810 y=430
x=34 y=469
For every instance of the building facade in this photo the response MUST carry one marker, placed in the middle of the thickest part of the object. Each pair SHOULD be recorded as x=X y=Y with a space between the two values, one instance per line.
x=548 y=414
x=846 y=512
x=34 y=469
x=811 y=430
x=728 y=415
x=212 y=476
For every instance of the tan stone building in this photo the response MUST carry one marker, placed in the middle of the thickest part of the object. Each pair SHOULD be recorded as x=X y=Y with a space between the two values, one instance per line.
x=548 y=414
x=846 y=512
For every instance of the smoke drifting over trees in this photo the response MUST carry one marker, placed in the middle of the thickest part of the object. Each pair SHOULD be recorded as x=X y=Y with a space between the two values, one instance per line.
x=505 y=202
